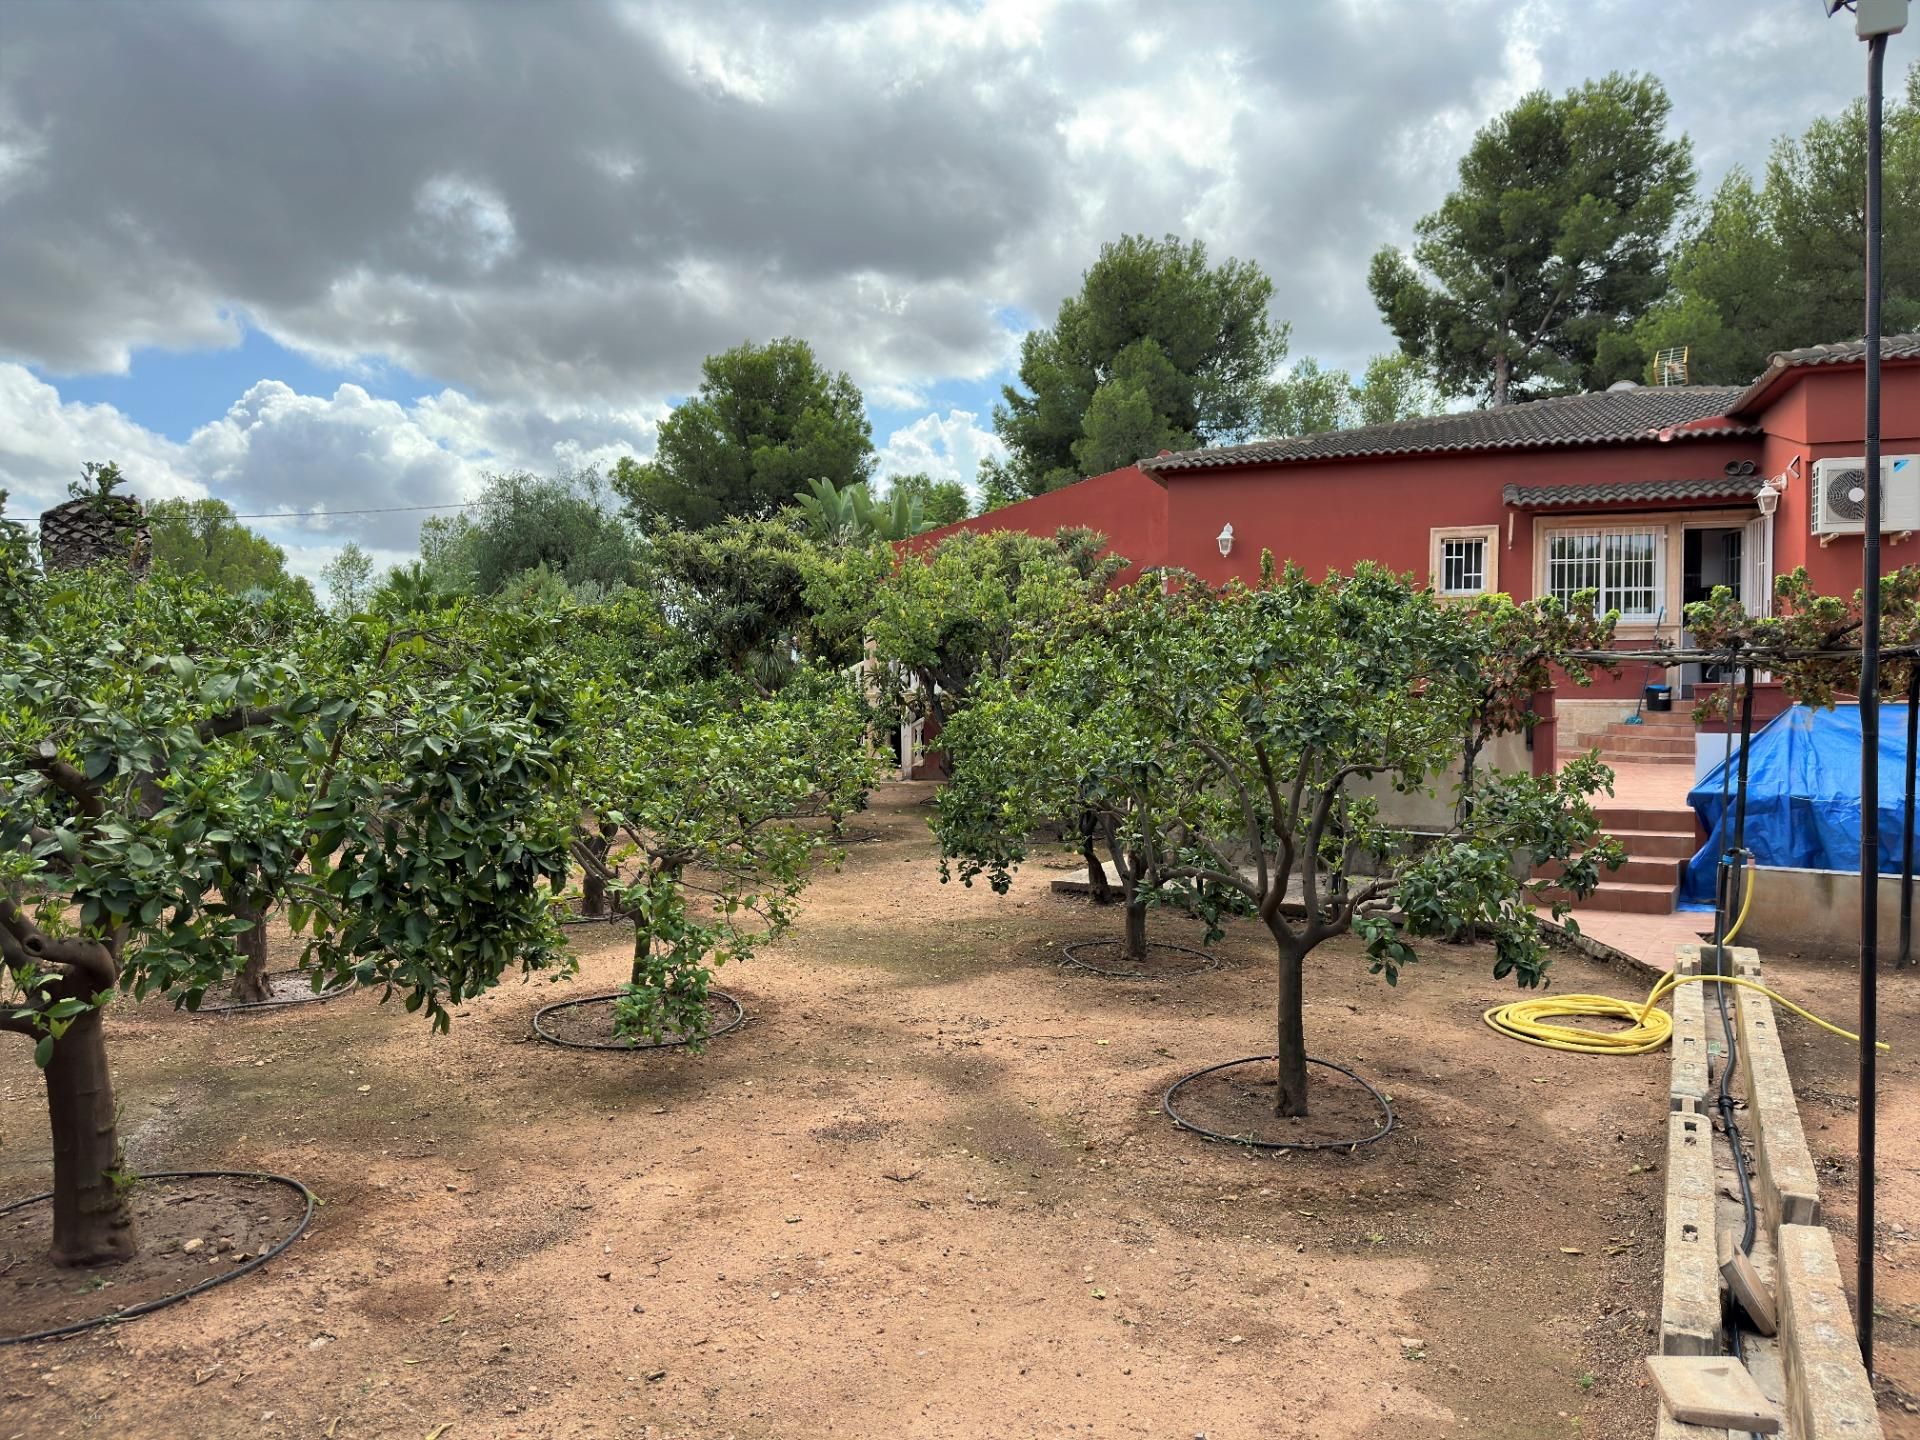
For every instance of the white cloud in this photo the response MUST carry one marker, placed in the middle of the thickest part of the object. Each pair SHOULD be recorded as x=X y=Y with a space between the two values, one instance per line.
x=947 y=447
x=277 y=452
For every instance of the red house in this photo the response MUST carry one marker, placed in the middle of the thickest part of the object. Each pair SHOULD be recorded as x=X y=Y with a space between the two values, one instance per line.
x=1652 y=496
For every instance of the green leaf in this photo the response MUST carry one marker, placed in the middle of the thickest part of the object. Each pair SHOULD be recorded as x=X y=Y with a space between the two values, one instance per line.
x=43 y=1051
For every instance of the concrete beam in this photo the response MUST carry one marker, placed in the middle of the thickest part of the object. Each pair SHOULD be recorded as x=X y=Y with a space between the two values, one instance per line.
x=1669 y=1428
x=1689 y=1086
x=1829 y=1396
x=1690 y=1283
x=1789 y=1191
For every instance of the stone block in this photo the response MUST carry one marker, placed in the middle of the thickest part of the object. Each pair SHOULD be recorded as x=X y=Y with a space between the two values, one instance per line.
x=1829 y=1396
x=1688 y=1088
x=1789 y=1192
x=1690 y=1283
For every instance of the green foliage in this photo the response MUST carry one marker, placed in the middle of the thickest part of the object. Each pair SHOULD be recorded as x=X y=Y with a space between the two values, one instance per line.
x=1811 y=641
x=695 y=796
x=964 y=610
x=1220 y=736
x=166 y=750
x=349 y=580
x=942 y=502
x=97 y=481
x=1528 y=278
x=200 y=540
x=767 y=419
x=1158 y=349
x=1776 y=265
x=853 y=517
x=739 y=591
x=523 y=523
x=18 y=574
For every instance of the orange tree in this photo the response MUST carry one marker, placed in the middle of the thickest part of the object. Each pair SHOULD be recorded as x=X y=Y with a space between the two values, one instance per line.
x=1222 y=732
x=162 y=758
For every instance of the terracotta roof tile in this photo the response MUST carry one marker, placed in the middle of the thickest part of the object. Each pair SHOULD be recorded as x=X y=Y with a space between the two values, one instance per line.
x=1722 y=487
x=1844 y=352
x=1609 y=417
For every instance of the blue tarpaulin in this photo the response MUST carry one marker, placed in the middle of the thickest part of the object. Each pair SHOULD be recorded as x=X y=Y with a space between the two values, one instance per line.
x=1803 y=796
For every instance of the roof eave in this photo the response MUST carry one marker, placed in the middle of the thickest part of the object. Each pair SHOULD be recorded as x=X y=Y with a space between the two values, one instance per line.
x=1781 y=372
x=1691 y=431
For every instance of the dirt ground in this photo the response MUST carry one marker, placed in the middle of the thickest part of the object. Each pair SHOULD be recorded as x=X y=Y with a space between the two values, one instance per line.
x=925 y=1191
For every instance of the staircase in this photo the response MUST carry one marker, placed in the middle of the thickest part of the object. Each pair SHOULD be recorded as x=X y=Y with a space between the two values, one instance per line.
x=1664 y=737
x=1658 y=842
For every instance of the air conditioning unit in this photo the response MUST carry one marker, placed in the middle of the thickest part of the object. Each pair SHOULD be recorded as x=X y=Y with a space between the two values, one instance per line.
x=1840 y=495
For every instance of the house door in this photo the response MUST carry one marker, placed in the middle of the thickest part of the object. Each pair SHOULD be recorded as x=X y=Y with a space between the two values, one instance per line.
x=1756 y=588
x=1710 y=559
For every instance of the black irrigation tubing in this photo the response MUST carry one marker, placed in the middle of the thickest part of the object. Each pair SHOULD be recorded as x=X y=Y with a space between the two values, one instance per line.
x=1386 y=1107
x=147 y=1307
x=1208 y=961
x=574 y=917
x=232 y=1007
x=739 y=1019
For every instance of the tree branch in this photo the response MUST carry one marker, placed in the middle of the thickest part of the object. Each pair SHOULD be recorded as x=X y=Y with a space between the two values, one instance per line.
x=1254 y=842
x=246 y=717
x=68 y=781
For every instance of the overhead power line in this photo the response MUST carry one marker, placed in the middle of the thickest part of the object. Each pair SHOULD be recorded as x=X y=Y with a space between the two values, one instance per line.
x=309 y=514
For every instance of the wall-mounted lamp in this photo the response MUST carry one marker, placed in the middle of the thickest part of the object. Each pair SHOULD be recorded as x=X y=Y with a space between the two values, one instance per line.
x=1225 y=538
x=1768 y=499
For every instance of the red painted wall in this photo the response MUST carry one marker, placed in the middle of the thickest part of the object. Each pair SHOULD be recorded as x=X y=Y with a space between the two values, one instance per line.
x=1329 y=515
x=1823 y=416
x=1128 y=506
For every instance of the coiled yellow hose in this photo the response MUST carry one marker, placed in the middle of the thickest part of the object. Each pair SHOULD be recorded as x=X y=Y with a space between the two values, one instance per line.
x=1646 y=1027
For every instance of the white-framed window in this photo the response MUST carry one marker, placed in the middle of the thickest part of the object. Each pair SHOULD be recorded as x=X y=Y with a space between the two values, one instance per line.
x=1465 y=560
x=1624 y=565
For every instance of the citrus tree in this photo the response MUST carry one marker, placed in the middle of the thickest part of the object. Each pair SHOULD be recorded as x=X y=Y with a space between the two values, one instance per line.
x=391 y=780
x=695 y=795
x=1220 y=733
x=943 y=620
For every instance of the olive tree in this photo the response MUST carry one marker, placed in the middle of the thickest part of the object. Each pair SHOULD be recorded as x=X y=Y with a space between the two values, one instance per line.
x=394 y=783
x=1223 y=732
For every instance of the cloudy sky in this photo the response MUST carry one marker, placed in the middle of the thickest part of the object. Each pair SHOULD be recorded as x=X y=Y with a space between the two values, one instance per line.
x=349 y=256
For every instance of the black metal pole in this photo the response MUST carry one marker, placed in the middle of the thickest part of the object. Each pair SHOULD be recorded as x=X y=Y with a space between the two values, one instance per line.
x=1906 y=852
x=1740 y=797
x=1870 y=724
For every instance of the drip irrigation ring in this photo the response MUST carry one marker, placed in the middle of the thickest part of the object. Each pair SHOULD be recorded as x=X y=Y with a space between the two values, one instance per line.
x=573 y=917
x=1386 y=1108
x=739 y=1019
x=1207 y=960
x=855 y=837
x=232 y=1007
x=147 y=1307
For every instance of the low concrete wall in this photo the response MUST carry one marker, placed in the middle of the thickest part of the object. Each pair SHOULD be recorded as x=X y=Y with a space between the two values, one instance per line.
x=1817 y=913
x=1583 y=721
x=1420 y=811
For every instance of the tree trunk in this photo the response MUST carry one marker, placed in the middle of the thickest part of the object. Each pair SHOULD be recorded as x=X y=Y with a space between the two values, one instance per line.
x=593 y=884
x=1502 y=377
x=1096 y=869
x=1136 y=943
x=91 y=1222
x=1290 y=1095
x=250 y=985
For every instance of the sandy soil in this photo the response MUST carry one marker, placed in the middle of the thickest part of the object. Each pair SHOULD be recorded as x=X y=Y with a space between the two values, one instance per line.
x=925 y=1191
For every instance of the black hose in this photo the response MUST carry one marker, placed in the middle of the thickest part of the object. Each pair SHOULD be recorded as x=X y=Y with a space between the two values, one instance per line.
x=1386 y=1127
x=147 y=1307
x=738 y=1018
x=1207 y=960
